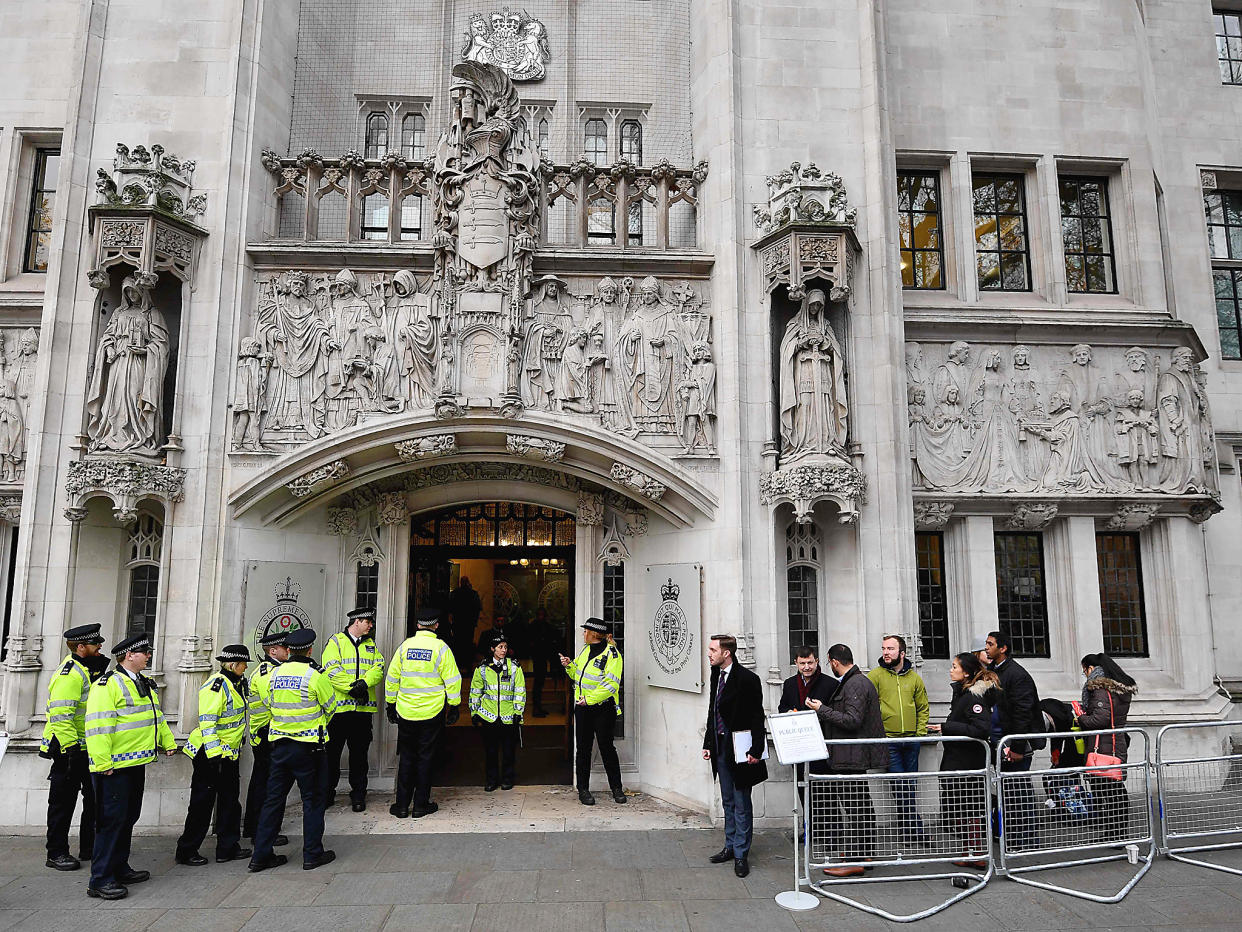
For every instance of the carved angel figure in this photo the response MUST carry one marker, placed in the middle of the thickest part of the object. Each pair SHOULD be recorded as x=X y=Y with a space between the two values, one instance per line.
x=125 y=406
x=813 y=412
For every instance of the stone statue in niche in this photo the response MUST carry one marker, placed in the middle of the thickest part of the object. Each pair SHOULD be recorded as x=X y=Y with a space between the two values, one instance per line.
x=647 y=356
x=697 y=396
x=250 y=395
x=125 y=404
x=813 y=412
x=290 y=328
x=545 y=339
x=12 y=434
x=416 y=340
x=23 y=372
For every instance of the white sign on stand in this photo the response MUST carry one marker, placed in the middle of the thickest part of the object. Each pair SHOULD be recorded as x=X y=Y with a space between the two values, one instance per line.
x=797 y=737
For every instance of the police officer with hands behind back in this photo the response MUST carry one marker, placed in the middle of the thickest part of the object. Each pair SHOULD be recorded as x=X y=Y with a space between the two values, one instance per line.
x=215 y=748
x=64 y=744
x=497 y=700
x=124 y=729
x=596 y=673
x=423 y=694
x=301 y=700
x=355 y=666
x=260 y=718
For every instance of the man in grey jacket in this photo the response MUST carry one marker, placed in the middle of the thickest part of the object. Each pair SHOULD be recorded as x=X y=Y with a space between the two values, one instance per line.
x=852 y=712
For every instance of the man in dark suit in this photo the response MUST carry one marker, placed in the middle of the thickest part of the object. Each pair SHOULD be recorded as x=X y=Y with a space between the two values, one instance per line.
x=735 y=704
x=1018 y=714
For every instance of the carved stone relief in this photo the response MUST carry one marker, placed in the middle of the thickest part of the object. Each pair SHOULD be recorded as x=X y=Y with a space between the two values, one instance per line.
x=124 y=482
x=19 y=351
x=535 y=448
x=510 y=40
x=125 y=401
x=392 y=508
x=425 y=448
x=1133 y=516
x=1032 y=516
x=1076 y=420
x=319 y=479
x=932 y=516
x=590 y=509
x=806 y=484
x=11 y=508
x=639 y=482
x=343 y=522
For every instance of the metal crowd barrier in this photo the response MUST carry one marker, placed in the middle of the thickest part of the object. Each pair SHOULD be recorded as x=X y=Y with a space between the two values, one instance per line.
x=1200 y=797
x=900 y=826
x=1047 y=816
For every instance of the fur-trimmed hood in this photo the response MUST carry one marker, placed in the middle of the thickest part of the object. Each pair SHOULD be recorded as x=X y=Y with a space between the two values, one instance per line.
x=1110 y=685
x=987 y=681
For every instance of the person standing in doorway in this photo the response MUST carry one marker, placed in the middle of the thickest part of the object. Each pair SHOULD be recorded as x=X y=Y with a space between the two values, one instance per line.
x=497 y=700
x=422 y=692
x=542 y=638
x=125 y=732
x=301 y=700
x=734 y=707
x=596 y=675
x=64 y=744
x=215 y=748
x=273 y=644
x=1018 y=714
x=464 y=606
x=904 y=708
x=355 y=666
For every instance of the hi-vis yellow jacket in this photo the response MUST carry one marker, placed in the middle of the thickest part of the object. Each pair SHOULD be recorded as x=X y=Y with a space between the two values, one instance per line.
x=124 y=723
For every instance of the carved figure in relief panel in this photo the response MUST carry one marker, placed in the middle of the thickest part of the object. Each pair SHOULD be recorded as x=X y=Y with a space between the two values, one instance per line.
x=23 y=372
x=573 y=386
x=1068 y=468
x=351 y=373
x=1138 y=448
x=299 y=341
x=12 y=434
x=813 y=412
x=914 y=366
x=416 y=340
x=250 y=394
x=1136 y=376
x=1178 y=412
x=919 y=418
x=995 y=461
x=954 y=372
x=647 y=356
x=545 y=339
x=1207 y=437
x=697 y=396
x=125 y=404
x=606 y=317
x=1024 y=403
x=1086 y=389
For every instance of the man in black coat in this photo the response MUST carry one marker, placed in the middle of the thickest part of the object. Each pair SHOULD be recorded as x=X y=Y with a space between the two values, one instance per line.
x=853 y=712
x=810 y=682
x=1018 y=714
x=735 y=704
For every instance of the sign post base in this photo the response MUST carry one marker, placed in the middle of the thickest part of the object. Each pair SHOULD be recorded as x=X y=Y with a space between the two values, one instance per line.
x=796 y=900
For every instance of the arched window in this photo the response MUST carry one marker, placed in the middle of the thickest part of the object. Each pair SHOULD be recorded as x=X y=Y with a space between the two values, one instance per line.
x=632 y=141
x=596 y=142
x=542 y=138
x=802 y=548
x=376 y=143
x=144 y=550
x=414 y=136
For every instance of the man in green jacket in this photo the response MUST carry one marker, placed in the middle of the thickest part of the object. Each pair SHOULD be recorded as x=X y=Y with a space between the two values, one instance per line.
x=903 y=705
x=355 y=666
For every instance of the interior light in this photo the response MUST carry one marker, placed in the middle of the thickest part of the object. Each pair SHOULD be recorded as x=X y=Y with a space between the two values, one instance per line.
x=524 y=561
x=544 y=561
x=513 y=562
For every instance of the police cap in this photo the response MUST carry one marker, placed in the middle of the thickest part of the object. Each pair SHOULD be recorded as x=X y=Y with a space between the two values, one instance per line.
x=273 y=638
x=428 y=617
x=234 y=653
x=596 y=624
x=367 y=613
x=136 y=644
x=303 y=637
x=499 y=639
x=84 y=634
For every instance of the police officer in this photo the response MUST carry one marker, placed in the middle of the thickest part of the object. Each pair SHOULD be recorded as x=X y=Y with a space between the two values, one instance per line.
x=215 y=748
x=301 y=700
x=497 y=700
x=124 y=728
x=355 y=666
x=422 y=679
x=64 y=744
x=596 y=673
x=274 y=647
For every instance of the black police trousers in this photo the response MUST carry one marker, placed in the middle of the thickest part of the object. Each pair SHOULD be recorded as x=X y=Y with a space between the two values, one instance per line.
x=301 y=763
x=119 y=797
x=598 y=724
x=355 y=730
x=256 y=793
x=69 y=776
x=216 y=784
x=500 y=743
x=416 y=752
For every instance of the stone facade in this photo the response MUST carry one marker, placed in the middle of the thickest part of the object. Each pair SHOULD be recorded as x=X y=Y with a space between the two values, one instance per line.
x=638 y=263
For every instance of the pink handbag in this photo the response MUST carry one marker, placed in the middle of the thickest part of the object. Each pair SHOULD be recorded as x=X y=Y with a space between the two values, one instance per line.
x=1105 y=766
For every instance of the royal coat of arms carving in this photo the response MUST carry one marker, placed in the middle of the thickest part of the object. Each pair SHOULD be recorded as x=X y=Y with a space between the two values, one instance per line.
x=512 y=41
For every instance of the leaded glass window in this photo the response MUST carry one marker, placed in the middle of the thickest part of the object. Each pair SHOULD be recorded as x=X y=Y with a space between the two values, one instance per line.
x=1021 y=599
x=1229 y=46
x=1121 y=595
x=414 y=136
x=1002 y=249
x=376 y=142
x=1087 y=231
x=933 y=594
x=918 y=217
x=39 y=222
x=596 y=142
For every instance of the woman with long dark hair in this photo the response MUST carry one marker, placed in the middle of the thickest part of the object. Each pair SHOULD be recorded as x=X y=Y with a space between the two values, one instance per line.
x=975 y=691
x=1106 y=696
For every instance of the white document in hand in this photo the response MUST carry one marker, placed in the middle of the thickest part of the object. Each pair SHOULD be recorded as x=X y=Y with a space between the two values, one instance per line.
x=741 y=747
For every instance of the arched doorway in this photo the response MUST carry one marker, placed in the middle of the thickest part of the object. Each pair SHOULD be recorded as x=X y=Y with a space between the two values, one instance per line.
x=510 y=564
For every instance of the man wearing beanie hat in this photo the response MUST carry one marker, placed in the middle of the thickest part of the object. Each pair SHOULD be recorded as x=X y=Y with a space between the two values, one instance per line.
x=125 y=728
x=301 y=700
x=355 y=666
x=273 y=644
x=596 y=674
x=215 y=748
x=64 y=744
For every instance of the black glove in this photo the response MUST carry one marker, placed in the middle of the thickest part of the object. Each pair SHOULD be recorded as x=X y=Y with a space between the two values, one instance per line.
x=476 y=720
x=453 y=714
x=359 y=690
x=391 y=711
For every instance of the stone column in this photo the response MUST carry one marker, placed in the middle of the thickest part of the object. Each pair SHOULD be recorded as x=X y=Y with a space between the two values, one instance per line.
x=970 y=564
